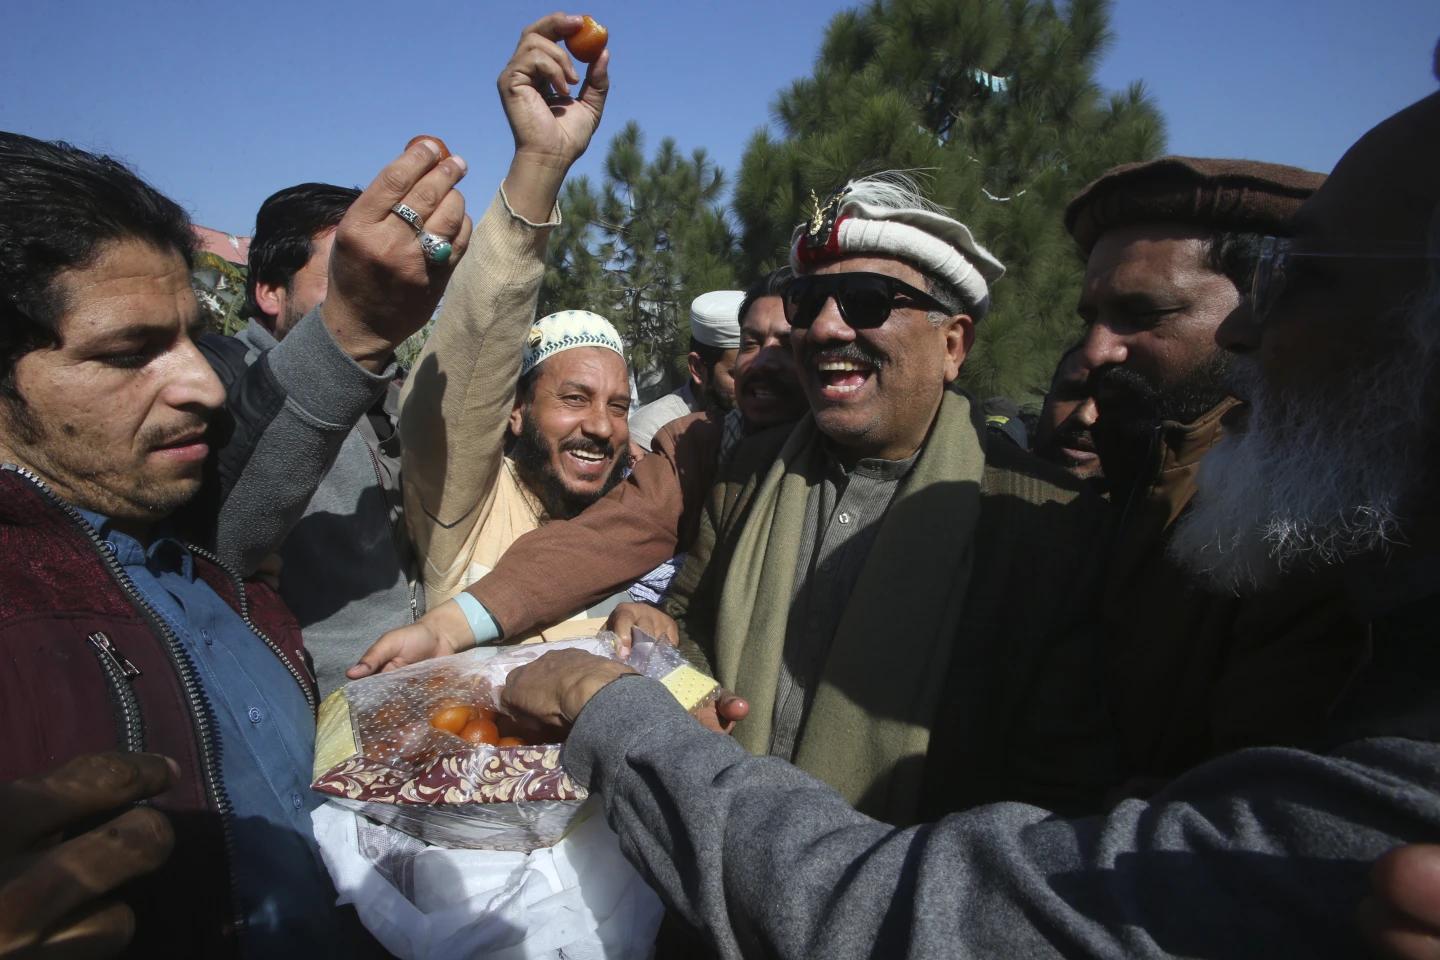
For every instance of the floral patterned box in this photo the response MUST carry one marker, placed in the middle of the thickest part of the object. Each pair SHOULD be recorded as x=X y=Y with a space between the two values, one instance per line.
x=378 y=750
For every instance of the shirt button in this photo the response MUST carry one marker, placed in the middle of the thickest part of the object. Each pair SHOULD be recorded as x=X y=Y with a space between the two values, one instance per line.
x=844 y=517
x=297 y=800
x=254 y=714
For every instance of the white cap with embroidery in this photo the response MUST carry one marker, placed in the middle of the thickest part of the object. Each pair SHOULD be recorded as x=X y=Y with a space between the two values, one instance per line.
x=566 y=330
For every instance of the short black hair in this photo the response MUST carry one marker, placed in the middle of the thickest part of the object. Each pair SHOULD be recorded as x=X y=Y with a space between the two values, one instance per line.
x=709 y=355
x=58 y=205
x=285 y=228
x=1234 y=255
x=770 y=285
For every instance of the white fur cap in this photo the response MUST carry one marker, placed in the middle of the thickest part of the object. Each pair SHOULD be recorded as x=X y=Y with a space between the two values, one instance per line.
x=872 y=220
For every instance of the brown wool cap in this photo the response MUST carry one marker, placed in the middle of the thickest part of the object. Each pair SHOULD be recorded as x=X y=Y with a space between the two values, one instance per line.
x=1224 y=194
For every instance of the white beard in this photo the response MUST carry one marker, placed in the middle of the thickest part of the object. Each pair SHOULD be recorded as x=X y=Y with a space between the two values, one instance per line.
x=1318 y=477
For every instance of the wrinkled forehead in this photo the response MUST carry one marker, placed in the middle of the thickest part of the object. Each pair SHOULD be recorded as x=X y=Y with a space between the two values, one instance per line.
x=595 y=368
x=128 y=286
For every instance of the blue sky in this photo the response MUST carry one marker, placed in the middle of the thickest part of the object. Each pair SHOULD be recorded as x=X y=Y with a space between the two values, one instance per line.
x=221 y=105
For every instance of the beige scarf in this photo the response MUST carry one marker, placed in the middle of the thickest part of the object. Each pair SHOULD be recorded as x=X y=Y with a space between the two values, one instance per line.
x=869 y=726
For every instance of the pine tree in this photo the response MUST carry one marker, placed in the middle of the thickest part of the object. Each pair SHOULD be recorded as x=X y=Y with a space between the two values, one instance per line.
x=994 y=106
x=639 y=249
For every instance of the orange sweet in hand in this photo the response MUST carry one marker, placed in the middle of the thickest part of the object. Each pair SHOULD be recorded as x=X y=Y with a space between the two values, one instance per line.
x=589 y=41
x=444 y=150
x=451 y=718
x=480 y=731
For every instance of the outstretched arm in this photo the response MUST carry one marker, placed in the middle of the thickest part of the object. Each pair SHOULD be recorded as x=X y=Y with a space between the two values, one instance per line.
x=1261 y=853
x=459 y=396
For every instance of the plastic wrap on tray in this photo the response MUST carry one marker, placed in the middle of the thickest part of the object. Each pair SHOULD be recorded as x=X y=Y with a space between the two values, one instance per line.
x=425 y=748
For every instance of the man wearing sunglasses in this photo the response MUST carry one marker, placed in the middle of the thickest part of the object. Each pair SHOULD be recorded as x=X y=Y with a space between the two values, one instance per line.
x=838 y=563
x=1261 y=853
x=1170 y=248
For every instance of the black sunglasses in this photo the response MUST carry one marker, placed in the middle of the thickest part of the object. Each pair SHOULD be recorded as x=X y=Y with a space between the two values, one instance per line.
x=864 y=299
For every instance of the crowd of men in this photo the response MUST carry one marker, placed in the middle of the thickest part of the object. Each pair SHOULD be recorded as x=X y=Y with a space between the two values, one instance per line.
x=1158 y=677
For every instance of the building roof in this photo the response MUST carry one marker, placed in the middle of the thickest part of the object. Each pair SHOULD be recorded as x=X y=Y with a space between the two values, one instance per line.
x=225 y=245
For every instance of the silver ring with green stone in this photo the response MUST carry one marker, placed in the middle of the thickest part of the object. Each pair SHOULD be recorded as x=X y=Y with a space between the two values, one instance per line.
x=437 y=249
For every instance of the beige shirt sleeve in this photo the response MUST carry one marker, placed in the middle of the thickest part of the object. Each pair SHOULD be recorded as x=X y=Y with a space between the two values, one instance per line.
x=457 y=398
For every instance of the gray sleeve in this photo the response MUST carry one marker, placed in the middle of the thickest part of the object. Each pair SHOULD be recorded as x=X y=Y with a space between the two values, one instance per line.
x=294 y=442
x=647 y=421
x=1261 y=853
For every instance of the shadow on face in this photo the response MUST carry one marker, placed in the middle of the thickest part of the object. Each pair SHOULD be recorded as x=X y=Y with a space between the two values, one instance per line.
x=1063 y=433
x=113 y=416
x=767 y=388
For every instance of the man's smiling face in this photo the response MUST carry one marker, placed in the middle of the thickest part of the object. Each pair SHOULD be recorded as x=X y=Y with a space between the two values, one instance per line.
x=572 y=435
x=875 y=391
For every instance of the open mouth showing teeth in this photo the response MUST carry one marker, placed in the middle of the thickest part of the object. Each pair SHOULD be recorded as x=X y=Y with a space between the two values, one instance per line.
x=587 y=456
x=839 y=377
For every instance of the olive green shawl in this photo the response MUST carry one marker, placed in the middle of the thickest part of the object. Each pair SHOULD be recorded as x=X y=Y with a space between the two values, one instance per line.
x=869 y=726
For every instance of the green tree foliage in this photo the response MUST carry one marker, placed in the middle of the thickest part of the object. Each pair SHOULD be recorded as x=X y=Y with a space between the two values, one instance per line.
x=993 y=105
x=219 y=285
x=641 y=247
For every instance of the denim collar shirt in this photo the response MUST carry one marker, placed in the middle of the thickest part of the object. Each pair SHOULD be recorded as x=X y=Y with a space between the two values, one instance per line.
x=266 y=735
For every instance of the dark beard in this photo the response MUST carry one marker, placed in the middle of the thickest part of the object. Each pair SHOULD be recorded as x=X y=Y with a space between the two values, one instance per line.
x=1123 y=393
x=1131 y=408
x=714 y=400
x=533 y=461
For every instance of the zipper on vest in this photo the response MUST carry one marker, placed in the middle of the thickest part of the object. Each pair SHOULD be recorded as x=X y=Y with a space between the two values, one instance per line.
x=202 y=714
x=245 y=615
x=119 y=672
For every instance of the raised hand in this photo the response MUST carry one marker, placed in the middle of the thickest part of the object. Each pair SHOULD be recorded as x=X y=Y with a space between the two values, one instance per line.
x=551 y=132
x=382 y=286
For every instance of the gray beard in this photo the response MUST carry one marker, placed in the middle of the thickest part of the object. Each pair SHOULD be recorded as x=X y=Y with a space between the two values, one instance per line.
x=1315 y=478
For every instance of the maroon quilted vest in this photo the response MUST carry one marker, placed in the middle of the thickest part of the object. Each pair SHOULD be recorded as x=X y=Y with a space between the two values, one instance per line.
x=86 y=667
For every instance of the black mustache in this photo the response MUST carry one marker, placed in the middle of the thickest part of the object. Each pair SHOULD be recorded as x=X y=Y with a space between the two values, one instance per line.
x=168 y=436
x=586 y=445
x=850 y=351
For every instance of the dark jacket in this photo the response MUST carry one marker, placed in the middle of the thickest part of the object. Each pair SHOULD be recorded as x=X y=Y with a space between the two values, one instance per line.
x=88 y=666
x=1191 y=674
x=1019 y=720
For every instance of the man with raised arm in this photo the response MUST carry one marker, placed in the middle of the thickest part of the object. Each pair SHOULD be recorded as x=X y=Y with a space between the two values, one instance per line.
x=508 y=422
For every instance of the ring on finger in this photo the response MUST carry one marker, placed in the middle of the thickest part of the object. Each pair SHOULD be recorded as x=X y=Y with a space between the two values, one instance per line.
x=437 y=249
x=409 y=216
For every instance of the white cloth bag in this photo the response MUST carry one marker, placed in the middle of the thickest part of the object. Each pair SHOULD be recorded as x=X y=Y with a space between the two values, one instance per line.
x=578 y=900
